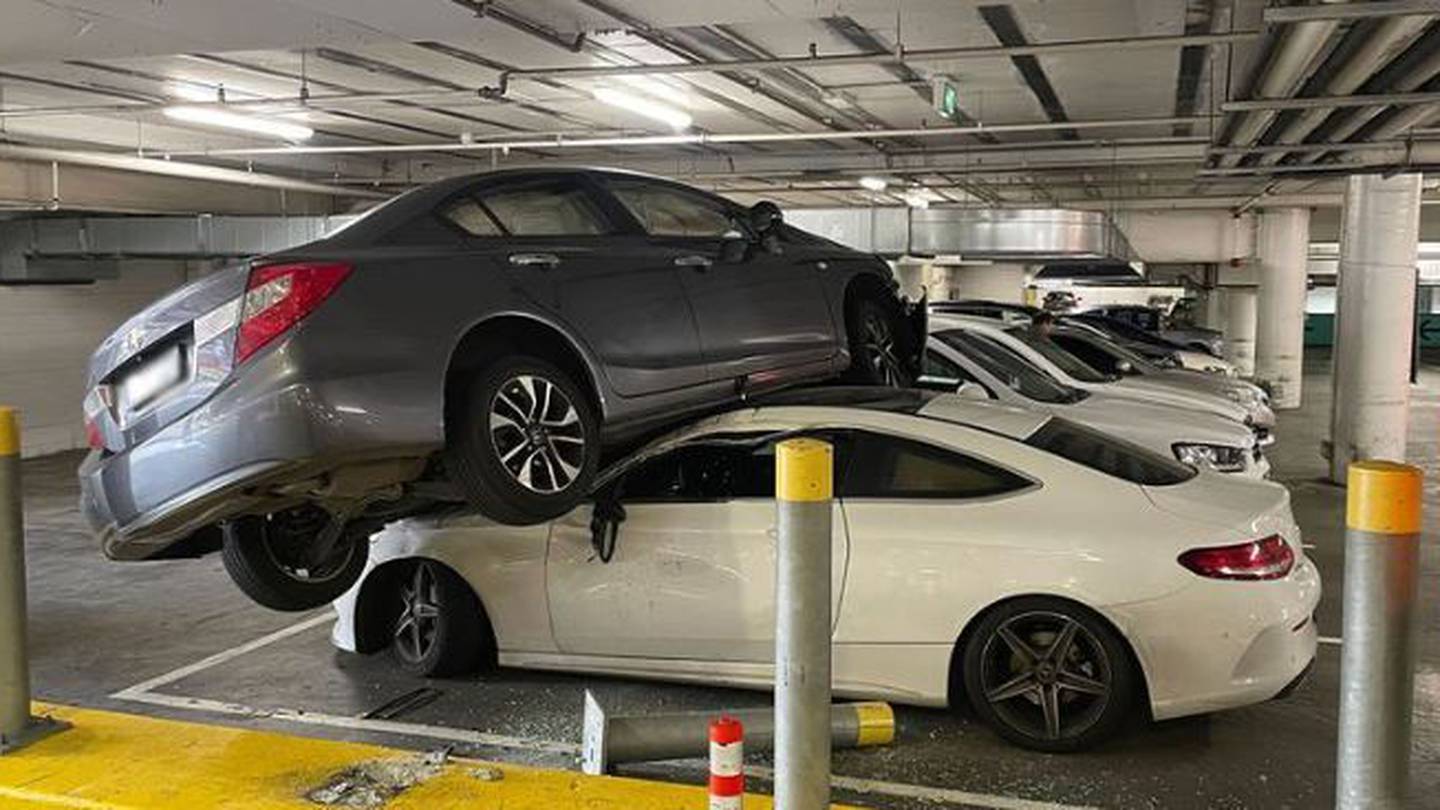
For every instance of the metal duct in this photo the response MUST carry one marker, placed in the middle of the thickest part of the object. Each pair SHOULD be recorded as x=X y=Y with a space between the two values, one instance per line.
x=1026 y=235
x=80 y=248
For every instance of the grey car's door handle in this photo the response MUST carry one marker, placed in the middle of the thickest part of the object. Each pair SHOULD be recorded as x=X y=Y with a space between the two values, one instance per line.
x=534 y=259
x=694 y=260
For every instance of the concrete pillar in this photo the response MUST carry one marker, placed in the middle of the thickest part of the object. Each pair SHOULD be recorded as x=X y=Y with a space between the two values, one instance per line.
x=1240 y=304
x=1282 y=247
x=992 y=282
x=1215 y=309
x=1374 y=319
x=910 y=273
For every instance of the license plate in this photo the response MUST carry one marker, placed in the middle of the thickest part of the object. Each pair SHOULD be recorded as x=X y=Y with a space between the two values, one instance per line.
x=152 y=379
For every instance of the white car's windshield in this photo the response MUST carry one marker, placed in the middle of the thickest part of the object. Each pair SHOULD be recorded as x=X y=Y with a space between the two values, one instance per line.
x=1017 y=373
x=1065 y=361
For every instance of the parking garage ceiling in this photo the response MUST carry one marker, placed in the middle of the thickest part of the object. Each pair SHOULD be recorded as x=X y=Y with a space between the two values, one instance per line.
x=1101 y=103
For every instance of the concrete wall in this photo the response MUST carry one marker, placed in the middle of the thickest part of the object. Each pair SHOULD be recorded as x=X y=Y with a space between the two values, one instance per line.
x=1187 y=237
x=46 y=336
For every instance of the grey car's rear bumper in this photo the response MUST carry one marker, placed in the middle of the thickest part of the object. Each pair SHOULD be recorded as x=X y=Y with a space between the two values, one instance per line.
x=221 y=459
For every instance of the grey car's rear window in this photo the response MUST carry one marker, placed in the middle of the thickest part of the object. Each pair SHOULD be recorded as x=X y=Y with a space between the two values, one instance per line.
x=1108 y=454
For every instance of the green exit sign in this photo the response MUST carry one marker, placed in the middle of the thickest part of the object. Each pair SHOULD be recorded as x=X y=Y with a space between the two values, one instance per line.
x=946 y=96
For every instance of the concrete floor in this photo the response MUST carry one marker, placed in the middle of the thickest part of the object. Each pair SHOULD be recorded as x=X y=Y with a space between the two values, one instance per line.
x=99 y=628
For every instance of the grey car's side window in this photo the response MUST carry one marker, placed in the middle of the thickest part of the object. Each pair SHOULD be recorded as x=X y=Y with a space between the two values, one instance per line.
x=561 y=208
x=664 y=211
x=471 y=217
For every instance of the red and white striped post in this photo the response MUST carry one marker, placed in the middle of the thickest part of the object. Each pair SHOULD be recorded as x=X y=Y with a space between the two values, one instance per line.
x=727 y=763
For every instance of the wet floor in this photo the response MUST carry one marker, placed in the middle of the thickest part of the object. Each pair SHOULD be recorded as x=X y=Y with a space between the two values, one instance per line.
x=99 y=628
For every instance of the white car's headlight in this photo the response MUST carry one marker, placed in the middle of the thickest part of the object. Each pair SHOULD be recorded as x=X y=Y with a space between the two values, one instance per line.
x=1218 y=457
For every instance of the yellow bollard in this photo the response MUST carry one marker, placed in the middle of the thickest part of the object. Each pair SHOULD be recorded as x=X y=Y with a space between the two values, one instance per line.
x=804 y=484
x=17 y=727
x=1377 y=664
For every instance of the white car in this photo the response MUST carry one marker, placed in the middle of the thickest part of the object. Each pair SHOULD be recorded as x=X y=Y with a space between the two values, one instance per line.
x=1050 y=575
x=956 y=357
x=1073 y=372
x=1097 y=350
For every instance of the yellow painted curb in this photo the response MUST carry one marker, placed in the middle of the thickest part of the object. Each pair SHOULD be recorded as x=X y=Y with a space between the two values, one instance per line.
x=804 y=470
x=1383 y=497
x=9 y=432
x=113 y=761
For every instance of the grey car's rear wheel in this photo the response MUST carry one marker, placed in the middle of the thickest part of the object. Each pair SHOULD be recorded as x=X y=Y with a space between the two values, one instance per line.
x=274 y=560
x=876 y=334
x=524 y=441
x=1049 y=675
x=438 y=626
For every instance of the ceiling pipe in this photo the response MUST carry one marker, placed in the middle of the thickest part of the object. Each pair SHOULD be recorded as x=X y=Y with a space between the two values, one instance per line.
x=1309 y=148
x=899 y=56
x=1415 y=79
x=1331 y=102
x=1388 y=39
x=1290 y=60
x=691 y=139
x=1278 y=15
x=170 y=168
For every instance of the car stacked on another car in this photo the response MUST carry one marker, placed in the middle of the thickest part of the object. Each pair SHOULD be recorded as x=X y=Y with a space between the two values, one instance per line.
x=490 y=335
x=1006 y=558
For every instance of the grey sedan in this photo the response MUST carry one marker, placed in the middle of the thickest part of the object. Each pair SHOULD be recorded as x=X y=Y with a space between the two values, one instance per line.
x=486 y=336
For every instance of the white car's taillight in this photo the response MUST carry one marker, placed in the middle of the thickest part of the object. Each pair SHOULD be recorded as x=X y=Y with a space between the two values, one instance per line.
x=278 y=296
x=1269 y=558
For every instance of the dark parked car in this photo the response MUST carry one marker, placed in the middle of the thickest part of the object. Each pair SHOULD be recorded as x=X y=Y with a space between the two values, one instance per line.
x=1154 y=348
x=488 y=335
x=1156 y=322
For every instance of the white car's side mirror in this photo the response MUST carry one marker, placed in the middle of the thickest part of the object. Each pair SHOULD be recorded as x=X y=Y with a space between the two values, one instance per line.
x=973 y=390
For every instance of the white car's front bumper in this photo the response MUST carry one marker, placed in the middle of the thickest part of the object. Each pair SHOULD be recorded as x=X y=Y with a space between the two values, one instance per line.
x=1221 y=644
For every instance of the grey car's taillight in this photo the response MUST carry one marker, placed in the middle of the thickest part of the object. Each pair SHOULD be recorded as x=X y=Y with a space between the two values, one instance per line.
x=278 y=296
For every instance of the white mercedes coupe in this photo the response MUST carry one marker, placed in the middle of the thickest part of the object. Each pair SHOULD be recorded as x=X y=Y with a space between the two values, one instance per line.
x=1048 y=574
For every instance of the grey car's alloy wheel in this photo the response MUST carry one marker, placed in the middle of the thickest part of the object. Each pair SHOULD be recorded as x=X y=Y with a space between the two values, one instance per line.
x=438 y=627
x=273 y=559
x=524 y=441
x=877 y=345
x=536 y=432
x=1048 y=675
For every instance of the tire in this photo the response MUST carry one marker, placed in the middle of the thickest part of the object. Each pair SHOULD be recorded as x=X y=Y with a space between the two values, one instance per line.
x=265 y=557
x=437 y=627
x=524 y=442
x=1011 y=674
x=875 y=332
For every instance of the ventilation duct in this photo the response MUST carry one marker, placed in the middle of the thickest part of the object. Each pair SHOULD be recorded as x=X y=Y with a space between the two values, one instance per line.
x=1022 y=235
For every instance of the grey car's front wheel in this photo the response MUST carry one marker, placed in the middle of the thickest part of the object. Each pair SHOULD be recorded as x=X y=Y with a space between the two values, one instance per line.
x=524 y=441
x=275 y=561
x=878 y=344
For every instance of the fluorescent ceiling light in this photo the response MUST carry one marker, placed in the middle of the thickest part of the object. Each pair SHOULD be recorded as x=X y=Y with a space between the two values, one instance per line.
x=874 y=183
x=658 y=89
x=193 y=91
x=677 y=119
x=918 y=198
x=213 y=117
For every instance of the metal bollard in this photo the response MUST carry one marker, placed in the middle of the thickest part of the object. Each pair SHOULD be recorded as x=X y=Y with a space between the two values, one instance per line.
x=17 y=727
x=803 y=490
x=610 y=740
x=1377 y=664
x=727 y=763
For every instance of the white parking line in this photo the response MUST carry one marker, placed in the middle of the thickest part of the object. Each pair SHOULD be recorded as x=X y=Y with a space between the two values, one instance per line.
x=1308 y=546
x=143 y=692
x=226 y=655
x=1331 y=640
x=930 y=794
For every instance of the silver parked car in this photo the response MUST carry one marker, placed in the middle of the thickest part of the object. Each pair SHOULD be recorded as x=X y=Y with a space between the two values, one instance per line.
x=488 y=335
